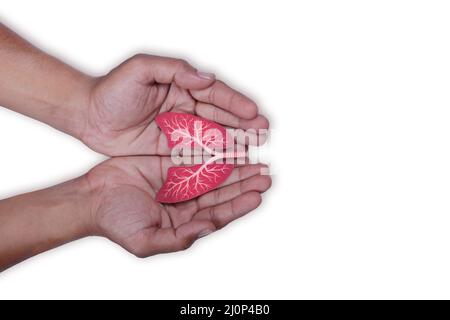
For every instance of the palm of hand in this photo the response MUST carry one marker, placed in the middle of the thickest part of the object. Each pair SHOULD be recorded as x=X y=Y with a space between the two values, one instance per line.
x=122 y=114
x=124 y=209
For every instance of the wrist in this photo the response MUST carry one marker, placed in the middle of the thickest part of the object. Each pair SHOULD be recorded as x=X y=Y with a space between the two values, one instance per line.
x=39 y=86
x=76 y=105
x=78 y=195
x=38 y=221
x=68 y=210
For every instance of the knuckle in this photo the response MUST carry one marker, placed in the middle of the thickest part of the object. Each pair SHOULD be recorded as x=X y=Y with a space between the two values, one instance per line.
x=140 y=56
x=138 y=59
x=212 y=94
x=185 y=244
x=217 y=195
x=139 y=253
x=181 y=64
x=216 y=115
x=137 y=250
x=233 y=96
x=213 y=217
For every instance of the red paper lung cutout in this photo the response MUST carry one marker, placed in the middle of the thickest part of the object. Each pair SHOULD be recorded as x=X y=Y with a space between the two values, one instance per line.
x=182 y=130
x=188 y=182
x=184 y=183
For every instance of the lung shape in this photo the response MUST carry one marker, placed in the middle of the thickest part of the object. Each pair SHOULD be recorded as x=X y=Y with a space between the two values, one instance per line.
x=186 y=130
x=184 y=183
x=187 y=182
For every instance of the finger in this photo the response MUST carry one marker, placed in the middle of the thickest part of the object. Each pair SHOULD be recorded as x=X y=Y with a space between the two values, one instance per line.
x=248 y=137
x=252 y=132
x=226 y=118
x=186 y=210
x=167 y=70
x=244 y=172
x=227 y=212
x=256 y=183
x=170 y=240
x=242 y=161
x=222 y=96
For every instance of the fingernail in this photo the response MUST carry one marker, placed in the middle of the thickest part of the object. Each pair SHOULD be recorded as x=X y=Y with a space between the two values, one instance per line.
x=206 y=75
x=204 y=233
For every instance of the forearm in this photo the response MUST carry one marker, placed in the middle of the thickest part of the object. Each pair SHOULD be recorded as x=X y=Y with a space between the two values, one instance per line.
x=36 y=222
x=40 y=86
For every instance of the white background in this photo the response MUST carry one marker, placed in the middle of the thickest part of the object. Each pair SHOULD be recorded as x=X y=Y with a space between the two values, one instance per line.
x=358 y=96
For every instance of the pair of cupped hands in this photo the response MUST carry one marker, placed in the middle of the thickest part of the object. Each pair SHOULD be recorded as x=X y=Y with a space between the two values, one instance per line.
x=117 y=118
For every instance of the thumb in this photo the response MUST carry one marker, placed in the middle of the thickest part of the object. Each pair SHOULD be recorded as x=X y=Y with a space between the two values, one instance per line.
x=155 y=69
x=170 y=240
x=189 y=232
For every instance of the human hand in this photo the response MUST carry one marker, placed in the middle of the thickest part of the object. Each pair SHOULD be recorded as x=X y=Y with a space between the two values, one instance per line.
x=120 y=112
x=124 y=209
x=115 y=115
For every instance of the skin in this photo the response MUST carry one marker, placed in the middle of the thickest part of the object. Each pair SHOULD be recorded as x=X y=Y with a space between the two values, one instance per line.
x=114 y=115
x=123 y=105
x=116 y=200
